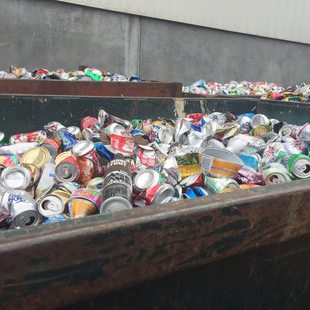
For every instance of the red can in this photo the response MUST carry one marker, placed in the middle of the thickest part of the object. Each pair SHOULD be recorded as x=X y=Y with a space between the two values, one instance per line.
x=87 y=170
x=89 y=122
x=68 y=170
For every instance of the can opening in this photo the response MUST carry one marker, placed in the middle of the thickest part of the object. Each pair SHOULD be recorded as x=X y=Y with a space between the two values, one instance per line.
x=30 y=221
x=307 y=169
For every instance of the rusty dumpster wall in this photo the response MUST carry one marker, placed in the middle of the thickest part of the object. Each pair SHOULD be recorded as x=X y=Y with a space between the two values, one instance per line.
x=47 y=33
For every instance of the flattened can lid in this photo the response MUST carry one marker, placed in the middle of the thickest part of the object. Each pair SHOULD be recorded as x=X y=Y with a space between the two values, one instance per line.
x=115 y=204
x=82 y=148
x=38 y=156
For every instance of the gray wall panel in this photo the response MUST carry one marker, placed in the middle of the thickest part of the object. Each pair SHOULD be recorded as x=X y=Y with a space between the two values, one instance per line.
x=37 y=33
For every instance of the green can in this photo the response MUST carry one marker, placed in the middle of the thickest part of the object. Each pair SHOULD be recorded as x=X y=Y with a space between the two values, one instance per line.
x=299 y=166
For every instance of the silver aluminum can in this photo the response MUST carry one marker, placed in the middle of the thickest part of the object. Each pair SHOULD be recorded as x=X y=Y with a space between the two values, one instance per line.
x=47 y=180
x=66 y=172
x=76 y=132
x=16 y=177
x=51 y=205
x=23 y=209
x=82 y=148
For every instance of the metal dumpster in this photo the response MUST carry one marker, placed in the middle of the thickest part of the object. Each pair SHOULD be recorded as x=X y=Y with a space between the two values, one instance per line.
x=242 y=250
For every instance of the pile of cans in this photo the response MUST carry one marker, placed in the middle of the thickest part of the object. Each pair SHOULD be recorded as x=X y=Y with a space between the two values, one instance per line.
x=89 y=74
x=300 y=92
x=108 y=164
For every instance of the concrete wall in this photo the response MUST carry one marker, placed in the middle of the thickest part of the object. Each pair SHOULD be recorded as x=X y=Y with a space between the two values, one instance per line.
x=36 y=33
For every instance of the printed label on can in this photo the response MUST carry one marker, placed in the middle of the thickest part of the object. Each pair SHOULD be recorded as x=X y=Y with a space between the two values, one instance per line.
x=206 y=162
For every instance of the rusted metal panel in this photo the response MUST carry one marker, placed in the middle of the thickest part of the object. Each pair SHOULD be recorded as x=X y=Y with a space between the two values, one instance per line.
x=73 y=261
x=82 y=88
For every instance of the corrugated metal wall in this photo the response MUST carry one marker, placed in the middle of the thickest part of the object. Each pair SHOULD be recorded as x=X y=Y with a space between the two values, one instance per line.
x=281 y=19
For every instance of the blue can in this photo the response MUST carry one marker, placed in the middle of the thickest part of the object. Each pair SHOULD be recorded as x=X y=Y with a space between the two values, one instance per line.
x=249 y=161
x=200 y=192
x=102 y=151
x=67 y=139
x=190 y=194
x=55 y=219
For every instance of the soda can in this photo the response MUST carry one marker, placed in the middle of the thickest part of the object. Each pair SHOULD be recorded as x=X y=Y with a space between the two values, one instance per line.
x=37 y=136
x=200 y=191
x=89 y=135
x=156 y=194
x=23 y=209
x=86 y=149
x=88 y=122
x=38 y=156
x=55 y=218
x=190 y=193
x=145 y=156
x=52 y=146
x=144 y=179
x=299 y=166
x=69 y=187
x=304 y=133
x=116 y=197
x=16 y=177
x=193 y=180
x=67 y=170
x=53 y=203
x=53 y=127
x=114 y=128
x=47 y=180
x=76 y=132
x=258 y=120
x=66 y=139
x=289 y=131
x=62 y=156
x=96 y=184
x=84 y=202
x=220 y=185
x=103 y=152
x=8 y=160
x=276 y=174
x=87 y=170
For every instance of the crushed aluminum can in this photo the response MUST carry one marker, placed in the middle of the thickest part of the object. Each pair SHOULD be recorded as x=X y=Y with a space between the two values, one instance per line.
x=220 y=185
x=123 y=144
x=88 y=122
x=299 y=166
x=56 y=218
x=190 y=193
x=66 y=139
x=53 y=127
x=8 y=160
x=192 y=180
x=145 y=156
x=87 y=170
x=47 y=180
x=156 y=194
x=304 y=133
x=115 y=129
x=276 y=174
x=38 y=156
x=37 y=136
x=289 y=131
x=76 y=132
x=144 y=179
x=53 y=203
x=52 y=146
x=89 y=135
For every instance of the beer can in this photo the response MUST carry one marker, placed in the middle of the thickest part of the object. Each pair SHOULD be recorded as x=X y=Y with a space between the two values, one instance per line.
x=156 y=194
x=53 y=203
x=117 y=177
x=76 y=132
x=116 y=197
x=52 y=146
x=16 y=177
x=23 y=210
x=67 y=170
x=89 y=135
x=38 y=156
x=145 y=179
x=37 y=136
x=119 y=164
x=299 y=166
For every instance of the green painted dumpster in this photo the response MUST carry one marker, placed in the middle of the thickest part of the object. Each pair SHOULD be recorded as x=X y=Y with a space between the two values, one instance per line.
x=242 y=250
